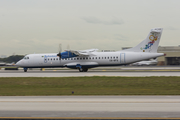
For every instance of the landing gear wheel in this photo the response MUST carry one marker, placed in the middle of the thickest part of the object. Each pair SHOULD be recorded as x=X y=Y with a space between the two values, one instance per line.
x=80 y=69
x=83 y=69
x=25 y=69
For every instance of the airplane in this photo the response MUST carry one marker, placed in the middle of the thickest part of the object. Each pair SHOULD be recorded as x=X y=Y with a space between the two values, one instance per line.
x=6 y=64
x=2 y=63
x=85 y=59
x=147 y=62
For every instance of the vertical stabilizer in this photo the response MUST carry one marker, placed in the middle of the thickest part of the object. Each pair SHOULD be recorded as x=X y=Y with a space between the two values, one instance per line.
x=150 y=44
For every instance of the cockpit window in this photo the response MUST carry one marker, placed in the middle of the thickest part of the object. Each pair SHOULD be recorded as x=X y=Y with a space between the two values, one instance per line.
x=26 y=58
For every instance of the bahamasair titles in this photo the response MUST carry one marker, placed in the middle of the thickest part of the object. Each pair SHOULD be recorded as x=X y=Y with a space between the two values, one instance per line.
x=85 y=59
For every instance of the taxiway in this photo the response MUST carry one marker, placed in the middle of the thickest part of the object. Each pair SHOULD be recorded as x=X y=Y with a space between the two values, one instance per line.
x=90 y=106
x=75 y=73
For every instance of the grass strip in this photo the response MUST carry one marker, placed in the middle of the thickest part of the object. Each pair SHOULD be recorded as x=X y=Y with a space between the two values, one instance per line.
x=32 y=86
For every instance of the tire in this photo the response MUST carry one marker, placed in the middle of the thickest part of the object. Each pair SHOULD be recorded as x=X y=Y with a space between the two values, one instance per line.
x=25 y=69
x=85 y=69
x=80 y=69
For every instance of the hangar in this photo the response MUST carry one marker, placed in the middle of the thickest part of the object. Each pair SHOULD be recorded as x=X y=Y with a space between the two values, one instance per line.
x=172 y=55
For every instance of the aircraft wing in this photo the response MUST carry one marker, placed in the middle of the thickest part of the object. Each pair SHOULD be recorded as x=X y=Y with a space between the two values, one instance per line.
x=78 y=53
x=83 y=52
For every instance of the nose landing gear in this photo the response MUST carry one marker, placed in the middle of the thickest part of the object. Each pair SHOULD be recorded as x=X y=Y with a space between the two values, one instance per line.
x=25 y=69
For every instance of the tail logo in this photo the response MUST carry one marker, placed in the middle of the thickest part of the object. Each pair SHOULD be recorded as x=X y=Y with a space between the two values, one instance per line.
x=153 y=38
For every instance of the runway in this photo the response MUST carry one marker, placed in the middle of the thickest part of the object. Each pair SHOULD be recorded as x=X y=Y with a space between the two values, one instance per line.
x=90 y=106
x=76 y=73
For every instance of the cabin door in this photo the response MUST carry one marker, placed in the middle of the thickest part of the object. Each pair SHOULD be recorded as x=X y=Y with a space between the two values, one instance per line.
x=122 y=58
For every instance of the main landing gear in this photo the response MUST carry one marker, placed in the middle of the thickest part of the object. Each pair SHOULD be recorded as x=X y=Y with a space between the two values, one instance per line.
x=83 y=69
x=25 y=69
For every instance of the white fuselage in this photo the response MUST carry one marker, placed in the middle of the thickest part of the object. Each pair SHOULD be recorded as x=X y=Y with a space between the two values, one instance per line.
x=95 y=60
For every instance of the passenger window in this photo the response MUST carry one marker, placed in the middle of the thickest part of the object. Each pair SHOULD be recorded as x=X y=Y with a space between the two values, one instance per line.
x=111 y=57
x=77 y=58
x=99 y=57
x=116 y=57
x=102 y=57
x=80 y=58
x=74 y=58
x=54 y=58
x=51 y=58
x=92 y=57
x=89 y=57
x=108 y=58
x=96 y=57
x=83 y=58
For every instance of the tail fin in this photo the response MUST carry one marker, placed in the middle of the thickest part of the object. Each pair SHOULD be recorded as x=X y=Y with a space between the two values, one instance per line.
x=150 y=44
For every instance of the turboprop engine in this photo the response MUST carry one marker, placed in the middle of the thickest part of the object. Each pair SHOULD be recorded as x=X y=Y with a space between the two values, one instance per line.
x=67 y=54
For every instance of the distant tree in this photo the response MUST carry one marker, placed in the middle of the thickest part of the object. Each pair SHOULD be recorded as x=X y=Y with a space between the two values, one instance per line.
x=13 y=58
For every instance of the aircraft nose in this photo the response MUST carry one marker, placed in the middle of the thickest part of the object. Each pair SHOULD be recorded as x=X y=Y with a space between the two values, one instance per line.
x=19 y=63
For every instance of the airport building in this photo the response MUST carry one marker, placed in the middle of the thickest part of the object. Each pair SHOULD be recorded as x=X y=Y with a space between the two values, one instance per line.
x=172 y=55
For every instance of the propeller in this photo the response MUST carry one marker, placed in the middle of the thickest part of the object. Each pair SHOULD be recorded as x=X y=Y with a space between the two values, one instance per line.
x=60 y=49
x=68 y=48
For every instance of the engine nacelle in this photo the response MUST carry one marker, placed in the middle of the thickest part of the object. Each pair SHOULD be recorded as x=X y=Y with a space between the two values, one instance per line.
x=67 y=54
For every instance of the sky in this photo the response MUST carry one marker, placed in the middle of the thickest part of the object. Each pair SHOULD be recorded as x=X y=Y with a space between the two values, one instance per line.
x=39 y=26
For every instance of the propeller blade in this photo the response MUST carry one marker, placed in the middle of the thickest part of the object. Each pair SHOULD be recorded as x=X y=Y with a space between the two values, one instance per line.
x=60 y=49
x=68 y=49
